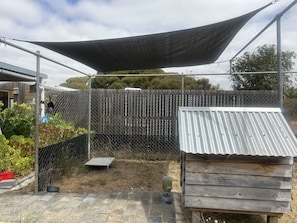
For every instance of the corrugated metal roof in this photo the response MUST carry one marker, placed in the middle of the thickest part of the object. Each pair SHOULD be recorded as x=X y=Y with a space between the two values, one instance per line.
x=13 y=73
x=238 y=131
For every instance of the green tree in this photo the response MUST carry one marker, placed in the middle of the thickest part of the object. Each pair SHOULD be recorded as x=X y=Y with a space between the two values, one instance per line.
x=264 y=59
x=104 y=82
x=150 y=82
x=76 y=83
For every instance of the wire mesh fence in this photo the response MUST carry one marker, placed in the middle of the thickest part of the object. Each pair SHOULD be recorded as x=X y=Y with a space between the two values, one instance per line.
x=58 y=159
x=143 y=124
x=73 y=105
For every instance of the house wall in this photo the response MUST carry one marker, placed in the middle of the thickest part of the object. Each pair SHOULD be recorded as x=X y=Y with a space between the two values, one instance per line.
x=17 y=92
x=239 y=184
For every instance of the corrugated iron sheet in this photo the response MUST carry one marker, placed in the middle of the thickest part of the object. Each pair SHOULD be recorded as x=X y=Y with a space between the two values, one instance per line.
x=238 y=131
x=13 y=73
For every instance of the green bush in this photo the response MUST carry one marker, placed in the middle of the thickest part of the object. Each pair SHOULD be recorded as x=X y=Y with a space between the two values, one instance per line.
x=12 y=159
x=26 y=145
x=58 y=120
x=4 y=154
x=51 y=134
x=57 y=130
x=17 y=120
x=17 y=142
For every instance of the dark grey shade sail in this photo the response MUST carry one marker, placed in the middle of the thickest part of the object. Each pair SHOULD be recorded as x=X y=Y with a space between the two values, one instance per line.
x=195 y=46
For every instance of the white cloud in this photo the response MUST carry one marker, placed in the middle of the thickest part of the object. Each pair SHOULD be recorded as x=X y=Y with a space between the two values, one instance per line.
x=59 y=20
x=24 y=13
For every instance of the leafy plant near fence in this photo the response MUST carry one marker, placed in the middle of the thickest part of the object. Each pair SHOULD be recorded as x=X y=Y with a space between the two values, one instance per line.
x=17 y=142
x=25 y=145
x=17 y=120
x=53 y=133
x=12 y=159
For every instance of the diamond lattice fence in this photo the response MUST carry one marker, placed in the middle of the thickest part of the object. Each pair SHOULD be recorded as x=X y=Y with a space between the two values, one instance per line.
x=143 y=124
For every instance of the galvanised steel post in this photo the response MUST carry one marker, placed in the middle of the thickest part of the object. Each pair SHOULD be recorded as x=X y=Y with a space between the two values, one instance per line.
x=279 y=63
x=89 y=116
x=37 y=114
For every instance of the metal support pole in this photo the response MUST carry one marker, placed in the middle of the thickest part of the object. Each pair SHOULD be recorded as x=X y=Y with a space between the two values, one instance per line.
x=266 y=27
x=42 y=100
x=37 y=115
x=182 y=88
x=89 y=116
x=279 y=65
x=41 y=56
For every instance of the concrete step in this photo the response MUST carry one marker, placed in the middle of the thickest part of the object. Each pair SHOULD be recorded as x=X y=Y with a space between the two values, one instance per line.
x=7 y=184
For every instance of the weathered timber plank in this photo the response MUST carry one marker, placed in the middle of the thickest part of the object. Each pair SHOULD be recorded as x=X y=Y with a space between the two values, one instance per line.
x=238 y=180
x=236 y=212
x=240 y=159
x=237 y=205
x=272 y=219
x=196 y=217
x=182 y=168
x=238 y=193
x=253 y=169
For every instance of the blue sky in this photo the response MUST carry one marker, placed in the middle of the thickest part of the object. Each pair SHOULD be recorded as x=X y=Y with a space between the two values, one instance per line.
x=75 y=20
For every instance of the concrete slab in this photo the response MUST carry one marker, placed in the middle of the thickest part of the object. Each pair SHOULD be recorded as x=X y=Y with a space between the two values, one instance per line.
x=102 y=161
x=6 y=184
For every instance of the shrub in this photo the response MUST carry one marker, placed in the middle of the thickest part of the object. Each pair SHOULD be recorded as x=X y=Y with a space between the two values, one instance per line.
x=58 y=120
x=17 y=120
x=17 y=142
x=57 y=130
x=26 y=145
x=12 y=159
x=51 y=134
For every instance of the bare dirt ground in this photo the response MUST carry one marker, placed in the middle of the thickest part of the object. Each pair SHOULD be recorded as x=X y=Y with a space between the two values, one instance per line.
x=122 y=175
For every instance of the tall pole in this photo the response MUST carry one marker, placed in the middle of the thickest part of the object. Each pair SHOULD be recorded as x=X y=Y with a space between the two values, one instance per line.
x=89 y=116
x=42 y=100
x=266 y=27
x=279 y=64
x=37 y=108
x=183 y=88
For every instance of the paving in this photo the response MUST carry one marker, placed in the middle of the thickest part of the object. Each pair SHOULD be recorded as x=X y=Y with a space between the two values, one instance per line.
x=126 y=206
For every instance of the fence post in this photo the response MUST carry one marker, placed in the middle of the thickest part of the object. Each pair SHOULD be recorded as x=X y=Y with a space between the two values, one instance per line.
x=182 y=88
x=37 y=108
x=89 y=116
x=279 y=64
